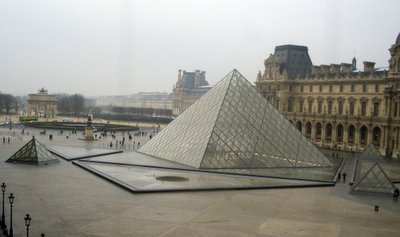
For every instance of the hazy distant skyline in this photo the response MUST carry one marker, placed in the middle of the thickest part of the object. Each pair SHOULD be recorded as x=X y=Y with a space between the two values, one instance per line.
x=104 y=47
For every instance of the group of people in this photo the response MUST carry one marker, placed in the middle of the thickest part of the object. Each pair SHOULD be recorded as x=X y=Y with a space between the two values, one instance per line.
x=6 y=140
x=340 y=175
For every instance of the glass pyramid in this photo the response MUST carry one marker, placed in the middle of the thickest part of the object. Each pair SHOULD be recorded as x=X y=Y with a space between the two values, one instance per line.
x=371 y=152
x=375 y=181
x=233 y=127
x=33 y=152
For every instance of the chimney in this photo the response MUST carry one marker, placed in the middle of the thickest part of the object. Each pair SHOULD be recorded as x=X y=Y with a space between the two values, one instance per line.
x=345 y=67
x=179 y=74
x=369 y=66
x=325 y=69
x=197 y=79
x=335 y=68
x=316 y=70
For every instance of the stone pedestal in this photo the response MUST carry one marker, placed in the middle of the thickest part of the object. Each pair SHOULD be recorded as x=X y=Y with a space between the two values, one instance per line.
x=88 y=134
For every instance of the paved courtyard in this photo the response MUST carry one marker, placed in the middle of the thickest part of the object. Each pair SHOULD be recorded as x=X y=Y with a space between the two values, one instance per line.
x=66 y=200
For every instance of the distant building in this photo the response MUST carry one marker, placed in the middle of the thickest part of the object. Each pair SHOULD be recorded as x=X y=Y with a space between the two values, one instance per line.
x=156 y=104
x=188 y=89
x=42 y=104
x=335 y=105
x=154 y=100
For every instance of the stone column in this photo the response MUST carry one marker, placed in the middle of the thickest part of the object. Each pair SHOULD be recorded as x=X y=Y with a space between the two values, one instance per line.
x=313 y=131
x=334 y=134
x=345 y=140
x=357 y=138
x=323 y=133
x=369 y=140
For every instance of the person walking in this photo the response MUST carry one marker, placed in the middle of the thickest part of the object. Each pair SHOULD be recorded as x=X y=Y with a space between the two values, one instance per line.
x=344 y=177
x=339 y=176
x=396 y=194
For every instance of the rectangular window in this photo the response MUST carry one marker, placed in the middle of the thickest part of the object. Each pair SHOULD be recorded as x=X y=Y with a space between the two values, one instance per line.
x=330 y=88
x=395 y=109
x=377 y=88
x=341 y=88
x=290 y=88
x=330 y=103
x=363 y=108
x=365 y=88
x=351 y=108
x=301 y=88
x=352 y=88
x=311 y=88
x=310 y=104
x=277 y=105
x=376 y=108
x=340 y=109
x=320 y=88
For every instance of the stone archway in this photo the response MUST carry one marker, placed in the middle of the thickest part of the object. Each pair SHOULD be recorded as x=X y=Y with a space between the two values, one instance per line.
x=363 y=135
x=308 y=129
x=318 y=130
x=328 y=132
x=376 y=136
x=351 y=131
x=299 y=126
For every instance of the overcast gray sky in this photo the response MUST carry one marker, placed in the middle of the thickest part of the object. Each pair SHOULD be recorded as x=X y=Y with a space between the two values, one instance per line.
x=111 y=47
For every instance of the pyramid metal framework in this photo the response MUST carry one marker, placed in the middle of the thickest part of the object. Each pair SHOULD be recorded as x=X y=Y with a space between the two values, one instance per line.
x=371 y=152
x=33 y=152
x=374 y=181
x=234 y=127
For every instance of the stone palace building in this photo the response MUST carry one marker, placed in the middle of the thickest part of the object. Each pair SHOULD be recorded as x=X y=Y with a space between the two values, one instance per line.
x=336 y=106
x=188 y=89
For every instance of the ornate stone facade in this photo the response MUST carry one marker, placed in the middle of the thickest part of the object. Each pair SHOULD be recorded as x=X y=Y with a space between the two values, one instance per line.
x=188 y=89
x=42 y=104
x=338 y=107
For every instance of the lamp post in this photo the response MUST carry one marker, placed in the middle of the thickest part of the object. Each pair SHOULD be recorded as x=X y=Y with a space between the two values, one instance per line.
x=11 y=199
x=27 y=223
x=3 y=219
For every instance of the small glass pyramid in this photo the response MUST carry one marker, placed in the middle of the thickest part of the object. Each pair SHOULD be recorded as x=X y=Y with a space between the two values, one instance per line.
x=234 y=127
x=371 y=152
x=374 y=181
x=33 y=152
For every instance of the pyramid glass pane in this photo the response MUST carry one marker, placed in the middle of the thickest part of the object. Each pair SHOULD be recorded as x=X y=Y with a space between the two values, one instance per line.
x=250 y=133
x=184 y=140
x=375 y=181
x=234 y=127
